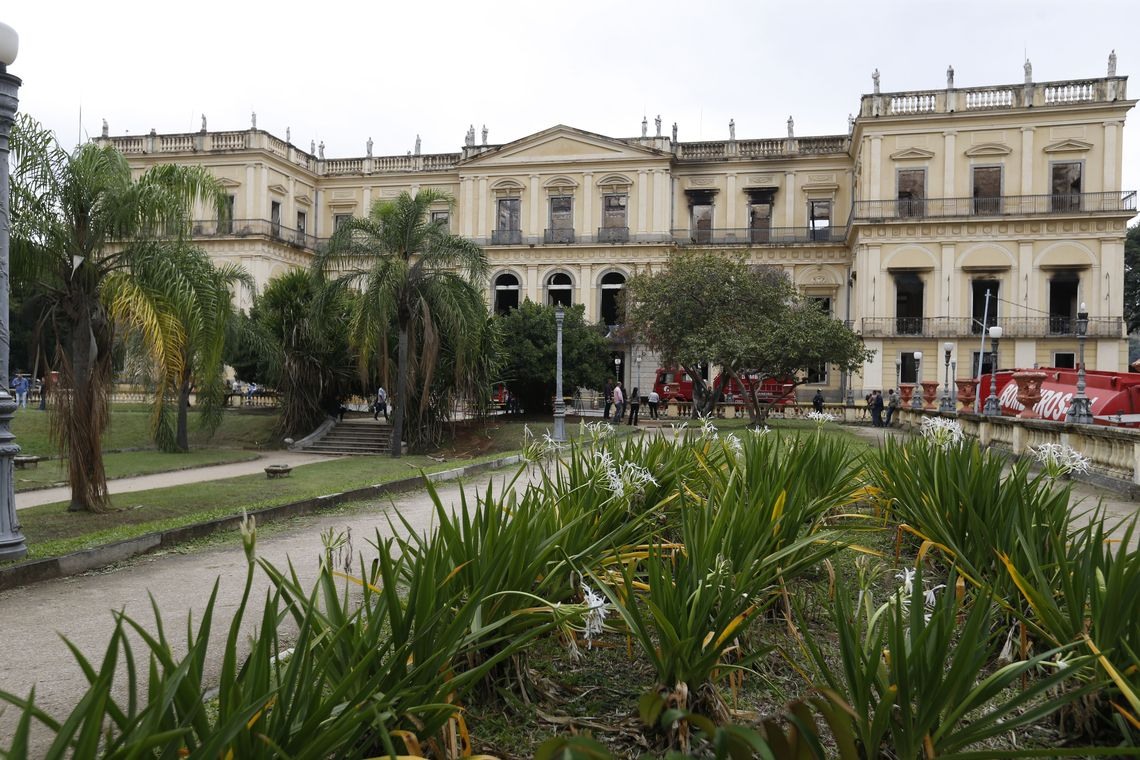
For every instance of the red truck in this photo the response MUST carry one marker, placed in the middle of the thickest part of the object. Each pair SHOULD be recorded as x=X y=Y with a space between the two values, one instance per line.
x=674 y=384
x=1114 y=397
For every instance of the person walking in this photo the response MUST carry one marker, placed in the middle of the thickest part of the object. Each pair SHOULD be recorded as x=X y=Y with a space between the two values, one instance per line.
x=877 y=409
x=817 y=400
x=381 y=405
x=634 y=405
x=619 y=403
x=892 y=405
x=608 y=398
x=21 y=388
x=653 y=400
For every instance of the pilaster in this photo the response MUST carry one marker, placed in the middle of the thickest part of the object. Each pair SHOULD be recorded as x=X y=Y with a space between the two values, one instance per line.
x=1026 y=161
x=790 y=199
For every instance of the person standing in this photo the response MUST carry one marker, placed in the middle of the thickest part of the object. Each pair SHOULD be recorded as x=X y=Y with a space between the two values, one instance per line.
x=619 y=403
x=21 y=388
x=608 y=398
x=877 y=409
x=892 y=405
x=653 y=400
x=817 y=400
x=381 y=405
x=634 y=405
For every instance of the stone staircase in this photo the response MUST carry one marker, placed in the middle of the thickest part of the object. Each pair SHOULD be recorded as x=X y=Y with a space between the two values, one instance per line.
x=355 y=436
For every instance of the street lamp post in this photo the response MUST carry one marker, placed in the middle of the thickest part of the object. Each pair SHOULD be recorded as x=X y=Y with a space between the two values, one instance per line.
x=898 y=376
x=617 y=368
x=559 y=404
x=1080 y=410
x=12 y=544
x=947 y=404
x=916 y=399
x=993 y=406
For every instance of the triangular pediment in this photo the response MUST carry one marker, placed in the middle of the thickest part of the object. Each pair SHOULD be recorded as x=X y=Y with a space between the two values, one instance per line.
x=278 y=188
x=227 y=182
x=1068 y=146
x=989 y=149
x=911 y=153
x=561 y=144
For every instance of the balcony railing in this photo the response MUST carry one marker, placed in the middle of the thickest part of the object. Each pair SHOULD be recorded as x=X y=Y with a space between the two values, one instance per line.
x=1006 y=205
x=1012 y=327
x=613 y=234
x=995 y=97
x=558 y=236
x=759 y=236
x=506 y=237
x=239 y=228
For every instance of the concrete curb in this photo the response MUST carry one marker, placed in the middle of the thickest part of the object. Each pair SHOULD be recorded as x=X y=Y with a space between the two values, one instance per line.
x=51 y=568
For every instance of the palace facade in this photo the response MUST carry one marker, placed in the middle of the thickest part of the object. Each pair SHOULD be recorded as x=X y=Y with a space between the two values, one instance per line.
x=901 y=226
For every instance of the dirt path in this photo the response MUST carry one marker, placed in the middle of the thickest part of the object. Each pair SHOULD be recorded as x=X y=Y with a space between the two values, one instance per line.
x=34 y=498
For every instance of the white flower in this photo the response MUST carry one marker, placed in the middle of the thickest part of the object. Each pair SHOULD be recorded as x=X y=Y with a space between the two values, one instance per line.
x=734 y=444
x=596 y=614
x=928 y=595
x=760 y=431
x=942 y=432
x=821 y=418
x=598 y=431
x=708 y=429
x=1058 y=460
x=625 y=480
x=551 y=447
x=907 y=578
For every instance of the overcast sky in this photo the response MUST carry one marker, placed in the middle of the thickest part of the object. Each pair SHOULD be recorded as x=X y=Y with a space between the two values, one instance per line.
x=341 y=72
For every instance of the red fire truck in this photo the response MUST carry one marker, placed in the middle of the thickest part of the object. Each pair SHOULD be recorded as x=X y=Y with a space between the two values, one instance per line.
x=675 y=385
x=1114 y=397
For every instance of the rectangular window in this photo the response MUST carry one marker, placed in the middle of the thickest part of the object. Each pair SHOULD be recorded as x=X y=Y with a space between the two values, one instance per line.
x=509 y=214
x=702 y=222
x=442 y=218
x=819 y=219
x=1063 y=287
x=562 y=213
x=760 y=215
x=912 y=192
x=987 y=189
x=339 y=220
x=302 y=222
x=908 y=368
x=817 y=375
x=823 y=302
x=987 y=363
x=983 y=318
x=908 y=304
x=1066 y=186
x=275 y=218
x=226 y=223
x=1064 y=360
x=614 y=211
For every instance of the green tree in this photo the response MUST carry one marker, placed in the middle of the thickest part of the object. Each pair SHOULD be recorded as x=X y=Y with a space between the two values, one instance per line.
x=83 y=228
x=1132 y=278
x=531 y=353
x=748 y=319
x=417 y=279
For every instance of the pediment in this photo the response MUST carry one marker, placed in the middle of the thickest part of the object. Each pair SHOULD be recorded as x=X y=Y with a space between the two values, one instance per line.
x=989 y=149
x=304 y=200
x=1068 y=146
x=279 y=189
x=907 y=154
x=227 y=182
x=561 y=144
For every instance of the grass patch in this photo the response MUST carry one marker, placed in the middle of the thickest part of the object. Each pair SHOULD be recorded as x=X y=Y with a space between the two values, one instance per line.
x=128 y=464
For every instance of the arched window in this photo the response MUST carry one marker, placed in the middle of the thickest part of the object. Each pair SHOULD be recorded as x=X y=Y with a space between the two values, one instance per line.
x=612 y=284
x=506 y=293
x=559 y=289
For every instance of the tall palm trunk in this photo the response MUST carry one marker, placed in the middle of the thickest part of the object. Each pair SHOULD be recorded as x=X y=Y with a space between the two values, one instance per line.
x=82 y=412
x=181 y=435
x=401 y=389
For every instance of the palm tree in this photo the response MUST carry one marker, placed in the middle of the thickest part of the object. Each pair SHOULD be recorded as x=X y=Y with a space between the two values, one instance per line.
x=83 y=229
x=416 y=276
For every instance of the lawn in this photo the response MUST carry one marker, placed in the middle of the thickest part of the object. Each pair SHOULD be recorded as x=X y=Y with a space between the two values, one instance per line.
x=126 y=464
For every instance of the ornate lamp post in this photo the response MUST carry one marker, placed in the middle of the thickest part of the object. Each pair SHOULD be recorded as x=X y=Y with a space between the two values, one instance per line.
x=559 y=404
x=617 y=368
x=1080 y=410
x=12 y=544
x=916 y=399
x=993 y=406
x=898 y=376
x=947 y=404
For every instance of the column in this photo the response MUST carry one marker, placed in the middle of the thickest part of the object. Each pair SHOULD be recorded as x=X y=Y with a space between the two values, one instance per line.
x=790 y=199
x=289 y=216
x=948 y=140
x=1111 y=158
x=660 y=203
x=481 y=229
x=467 y=208
x=532 y=290
x=586 y=292
x=873 y=189
x=1027 y=159
x=730 y=202
x=588 y=205
x=642 y=202
x=367 y=201
x=263 y=193
x=949 y=282
x=250 y=192
x=1024 y=286
x=535 y=227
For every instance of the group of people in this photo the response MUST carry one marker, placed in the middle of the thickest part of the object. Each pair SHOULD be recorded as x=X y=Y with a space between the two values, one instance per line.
x=613 y=395
x=877 y=405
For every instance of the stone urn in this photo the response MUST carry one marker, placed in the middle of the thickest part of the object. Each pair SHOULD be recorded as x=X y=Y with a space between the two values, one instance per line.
x=967 y=387
x=1029 y=391
x=905 y=392
x=929 y=393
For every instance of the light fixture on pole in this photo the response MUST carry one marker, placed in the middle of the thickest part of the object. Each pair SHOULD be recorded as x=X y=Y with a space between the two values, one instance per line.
x=12 y=543
x=617 y=368
x=559 y=404
x=916 y=399
x=947 y=404
x=1080 y=409
x=637 y=380
x=993 y=406
x=898 y=375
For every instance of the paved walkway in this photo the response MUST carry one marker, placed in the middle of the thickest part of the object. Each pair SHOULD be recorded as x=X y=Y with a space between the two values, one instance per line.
x=25 y=499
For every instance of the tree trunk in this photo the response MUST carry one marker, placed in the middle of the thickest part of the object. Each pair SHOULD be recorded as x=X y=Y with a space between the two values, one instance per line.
x=181 y=435
x=755 y=416
x=704 y=400
x=82 y=411
x=401 y=391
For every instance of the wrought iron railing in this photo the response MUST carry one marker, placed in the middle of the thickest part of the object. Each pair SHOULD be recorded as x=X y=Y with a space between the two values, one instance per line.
x=613 y=234
x=558 y=236
x=1007 y=205
x=506 y=237
x=1012 y=327
x=239 y=228
x=759 y=236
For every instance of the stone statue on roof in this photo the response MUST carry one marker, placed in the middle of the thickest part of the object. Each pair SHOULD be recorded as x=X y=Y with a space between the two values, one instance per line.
x=732 y=129
x=1028 y=71
x=791 y=128
x=106 y=129
x=368 y=148
x=949 y=77
x=312 y=147
x=484 y=134
x=674 y=131
x=321 y=150
x=657 y=121
x=1112 y=63
x=417 y=145
x=288 y=136
x=203 y=122
x=469 y=139
x=253 y=120
x=875 y=80
x=644 y=127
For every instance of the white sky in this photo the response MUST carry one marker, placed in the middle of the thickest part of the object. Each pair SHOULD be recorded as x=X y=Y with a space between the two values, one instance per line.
x=342 y=71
